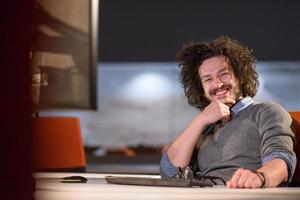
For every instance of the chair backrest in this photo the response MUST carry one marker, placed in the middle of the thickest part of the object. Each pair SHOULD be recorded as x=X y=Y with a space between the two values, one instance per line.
x=57 y=144
x=296 y=129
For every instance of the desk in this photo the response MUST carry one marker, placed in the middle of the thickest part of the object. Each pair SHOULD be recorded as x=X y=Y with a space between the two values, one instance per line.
x=48 y=187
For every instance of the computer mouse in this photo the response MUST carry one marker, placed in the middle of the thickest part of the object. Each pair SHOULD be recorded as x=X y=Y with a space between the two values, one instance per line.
x=74 y=179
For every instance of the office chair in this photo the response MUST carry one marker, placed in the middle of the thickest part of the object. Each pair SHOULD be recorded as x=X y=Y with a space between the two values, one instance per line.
x=57 y=144
x=296 y=129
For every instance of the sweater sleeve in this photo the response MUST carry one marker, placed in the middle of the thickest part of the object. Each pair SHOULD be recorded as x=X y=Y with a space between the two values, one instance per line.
x=167 y=169
x=277 y=136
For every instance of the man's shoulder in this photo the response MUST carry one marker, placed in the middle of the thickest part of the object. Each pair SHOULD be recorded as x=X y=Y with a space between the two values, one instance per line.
x=269 y=106
x=269 y=109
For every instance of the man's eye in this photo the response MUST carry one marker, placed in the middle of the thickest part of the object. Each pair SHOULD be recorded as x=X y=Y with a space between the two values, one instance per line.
x=225 y=74
x=207 y=80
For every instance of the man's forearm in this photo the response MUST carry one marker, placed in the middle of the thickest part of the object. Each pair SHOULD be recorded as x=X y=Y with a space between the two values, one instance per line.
x=180 y=152
x=276 y=172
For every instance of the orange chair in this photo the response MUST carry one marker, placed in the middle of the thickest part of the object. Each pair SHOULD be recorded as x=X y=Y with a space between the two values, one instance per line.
x=296 y=129
x=57 y=144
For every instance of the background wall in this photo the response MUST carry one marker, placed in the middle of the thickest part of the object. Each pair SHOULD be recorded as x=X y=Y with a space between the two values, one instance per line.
x=142 y=103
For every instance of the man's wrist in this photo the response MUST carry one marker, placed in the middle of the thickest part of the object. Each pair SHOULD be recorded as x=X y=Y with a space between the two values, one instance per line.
x=204 y=120
x=263 y=178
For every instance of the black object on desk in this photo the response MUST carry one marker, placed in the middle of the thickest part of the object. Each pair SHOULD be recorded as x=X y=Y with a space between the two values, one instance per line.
x=156 y=181
x=74 y=179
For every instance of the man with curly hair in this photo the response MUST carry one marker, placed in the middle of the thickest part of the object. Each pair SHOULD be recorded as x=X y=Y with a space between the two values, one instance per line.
x=234 y=140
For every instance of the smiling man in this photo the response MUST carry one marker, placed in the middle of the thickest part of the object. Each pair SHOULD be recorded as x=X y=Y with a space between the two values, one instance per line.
x=234 y=140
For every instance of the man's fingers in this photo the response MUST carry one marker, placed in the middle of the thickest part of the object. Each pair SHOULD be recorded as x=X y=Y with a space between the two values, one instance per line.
x=243 y=178
x=215 y=99
x=230 y=101
x=233 y=182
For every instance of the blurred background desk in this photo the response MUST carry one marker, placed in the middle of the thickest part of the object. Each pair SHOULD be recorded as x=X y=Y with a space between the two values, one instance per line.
x=48 y=187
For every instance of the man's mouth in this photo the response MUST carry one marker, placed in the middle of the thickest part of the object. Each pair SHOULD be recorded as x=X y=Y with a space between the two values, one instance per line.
x=221 y=91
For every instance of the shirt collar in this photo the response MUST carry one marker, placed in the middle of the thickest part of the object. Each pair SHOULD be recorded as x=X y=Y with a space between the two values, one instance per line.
x=241 y=105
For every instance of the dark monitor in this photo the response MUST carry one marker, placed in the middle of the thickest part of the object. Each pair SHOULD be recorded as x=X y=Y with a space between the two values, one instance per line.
x=64 y=54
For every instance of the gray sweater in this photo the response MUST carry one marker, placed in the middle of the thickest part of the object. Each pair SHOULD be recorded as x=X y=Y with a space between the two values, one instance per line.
x=261 y=132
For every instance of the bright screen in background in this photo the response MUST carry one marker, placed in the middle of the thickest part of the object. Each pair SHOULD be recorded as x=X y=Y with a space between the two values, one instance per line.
x=143 y=103
x=148 y=86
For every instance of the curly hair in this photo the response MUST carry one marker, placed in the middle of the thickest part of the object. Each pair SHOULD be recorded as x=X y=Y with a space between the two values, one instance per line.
x=239 y=57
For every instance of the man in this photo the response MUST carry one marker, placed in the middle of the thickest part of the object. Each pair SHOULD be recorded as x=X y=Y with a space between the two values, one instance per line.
x=234 y=140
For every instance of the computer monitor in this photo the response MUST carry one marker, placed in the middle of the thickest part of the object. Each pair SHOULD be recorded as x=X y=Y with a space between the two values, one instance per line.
x=64 y=54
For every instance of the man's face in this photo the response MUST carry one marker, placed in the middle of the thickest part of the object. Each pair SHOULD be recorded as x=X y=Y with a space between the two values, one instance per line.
x=218 y=80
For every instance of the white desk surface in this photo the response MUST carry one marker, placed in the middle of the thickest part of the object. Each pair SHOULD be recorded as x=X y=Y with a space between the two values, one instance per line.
x=48 y=187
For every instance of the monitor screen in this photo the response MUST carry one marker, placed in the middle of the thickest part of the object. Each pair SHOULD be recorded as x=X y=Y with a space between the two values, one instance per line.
x=64 y=54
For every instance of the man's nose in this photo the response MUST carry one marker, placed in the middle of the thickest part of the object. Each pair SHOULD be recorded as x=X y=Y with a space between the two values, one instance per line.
x=217 y=82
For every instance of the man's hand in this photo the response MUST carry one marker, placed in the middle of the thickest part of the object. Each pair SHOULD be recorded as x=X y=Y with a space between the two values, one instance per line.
x=244 y=178
x=217 y=110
